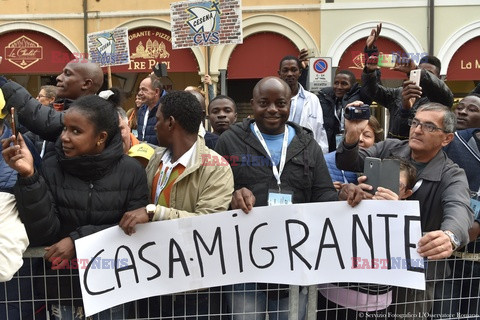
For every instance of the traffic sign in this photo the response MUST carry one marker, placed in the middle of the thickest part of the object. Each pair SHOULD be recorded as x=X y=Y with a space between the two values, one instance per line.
x=320 y=73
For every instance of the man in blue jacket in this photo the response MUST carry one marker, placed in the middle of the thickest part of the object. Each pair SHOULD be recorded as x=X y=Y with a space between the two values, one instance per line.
x=150 y=91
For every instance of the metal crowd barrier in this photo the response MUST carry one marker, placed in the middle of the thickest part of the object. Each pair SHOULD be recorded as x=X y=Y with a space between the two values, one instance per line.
x=451 y=297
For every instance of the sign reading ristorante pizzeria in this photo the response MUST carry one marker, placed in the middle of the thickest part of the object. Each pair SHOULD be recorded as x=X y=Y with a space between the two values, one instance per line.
x=151 y=45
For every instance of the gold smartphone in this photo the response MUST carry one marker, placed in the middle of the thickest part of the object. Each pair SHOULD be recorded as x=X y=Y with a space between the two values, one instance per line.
x=386 y=60
x=13 y=123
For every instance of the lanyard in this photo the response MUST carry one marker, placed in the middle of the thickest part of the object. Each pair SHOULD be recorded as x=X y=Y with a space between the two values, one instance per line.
x=42 y=153
x=417 y=185
x=167 y=169
x=277 y=173
x=145 y=120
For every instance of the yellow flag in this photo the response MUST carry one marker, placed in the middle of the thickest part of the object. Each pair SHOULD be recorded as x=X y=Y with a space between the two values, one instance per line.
x=3 y=113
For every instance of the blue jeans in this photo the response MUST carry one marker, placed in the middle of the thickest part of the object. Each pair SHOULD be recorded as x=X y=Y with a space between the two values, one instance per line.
x=248 y=301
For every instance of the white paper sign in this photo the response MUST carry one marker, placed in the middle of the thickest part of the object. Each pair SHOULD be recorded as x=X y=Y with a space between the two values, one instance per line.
x=300 y=244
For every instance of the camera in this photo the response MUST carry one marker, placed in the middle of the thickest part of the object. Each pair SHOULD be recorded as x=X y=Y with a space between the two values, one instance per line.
x=358 y=113
x=160 y=70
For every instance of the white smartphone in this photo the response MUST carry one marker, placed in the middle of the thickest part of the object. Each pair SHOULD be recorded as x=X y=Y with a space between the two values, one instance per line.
x=415 y=76
x=311 y=53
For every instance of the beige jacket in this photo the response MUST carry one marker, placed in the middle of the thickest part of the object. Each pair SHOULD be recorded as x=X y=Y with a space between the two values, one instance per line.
x=13 y=237
x=200 y=189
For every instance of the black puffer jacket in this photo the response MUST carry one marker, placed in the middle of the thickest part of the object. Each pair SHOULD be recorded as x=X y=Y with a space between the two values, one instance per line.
x=305 y=172
x=81 y=195
x=328 y=100
x=45 y=122
x=433 y=90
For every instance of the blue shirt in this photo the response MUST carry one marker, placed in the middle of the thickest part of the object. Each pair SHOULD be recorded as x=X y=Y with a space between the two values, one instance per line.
x=274 y=142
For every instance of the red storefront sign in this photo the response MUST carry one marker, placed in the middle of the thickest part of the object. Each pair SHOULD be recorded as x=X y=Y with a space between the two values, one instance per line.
x=353 y=58
x=465 y=63
x=32 y=52
x=151 y=45
x=259 y=56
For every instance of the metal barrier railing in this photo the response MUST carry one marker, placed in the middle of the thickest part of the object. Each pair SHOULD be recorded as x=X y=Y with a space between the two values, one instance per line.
x=38 y=293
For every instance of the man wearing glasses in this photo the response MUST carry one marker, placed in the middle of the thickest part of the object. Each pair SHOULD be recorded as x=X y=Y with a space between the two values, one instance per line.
x=441 y=189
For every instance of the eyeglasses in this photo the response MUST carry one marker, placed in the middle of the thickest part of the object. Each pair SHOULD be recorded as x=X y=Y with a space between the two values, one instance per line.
x=424 y=126
x=41 y=96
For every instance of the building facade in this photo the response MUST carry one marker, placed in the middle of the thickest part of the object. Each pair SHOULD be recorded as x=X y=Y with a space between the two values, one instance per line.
x=37 y=38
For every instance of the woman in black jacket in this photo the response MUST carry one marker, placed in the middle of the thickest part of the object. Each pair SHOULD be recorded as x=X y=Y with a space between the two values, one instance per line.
x=85 y=187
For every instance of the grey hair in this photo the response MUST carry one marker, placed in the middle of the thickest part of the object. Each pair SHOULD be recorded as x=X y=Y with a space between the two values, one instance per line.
x=50 y=91
x=449 y=118
x=156 y=83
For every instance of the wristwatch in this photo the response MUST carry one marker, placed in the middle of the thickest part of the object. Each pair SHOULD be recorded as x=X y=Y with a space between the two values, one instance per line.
x=151 y=208
x=453 y=239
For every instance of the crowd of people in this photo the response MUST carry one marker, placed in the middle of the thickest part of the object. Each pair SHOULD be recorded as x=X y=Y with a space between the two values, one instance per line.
x=64 y=165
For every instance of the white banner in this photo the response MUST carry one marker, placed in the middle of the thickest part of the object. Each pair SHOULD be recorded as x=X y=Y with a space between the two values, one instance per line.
x=300 y=244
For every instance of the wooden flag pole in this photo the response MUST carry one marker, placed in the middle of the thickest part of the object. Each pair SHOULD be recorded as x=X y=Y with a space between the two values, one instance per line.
x=109 y=73
x=207 y=71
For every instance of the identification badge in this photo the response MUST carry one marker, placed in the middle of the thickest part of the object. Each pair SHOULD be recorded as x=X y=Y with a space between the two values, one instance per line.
x=475 y=204
x=338 y=138
x=276 y=198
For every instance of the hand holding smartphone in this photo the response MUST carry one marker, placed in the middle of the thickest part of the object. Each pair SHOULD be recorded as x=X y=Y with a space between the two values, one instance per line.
x=13 y=122
x=415 y=77
x=386 y=60
x=382 y=173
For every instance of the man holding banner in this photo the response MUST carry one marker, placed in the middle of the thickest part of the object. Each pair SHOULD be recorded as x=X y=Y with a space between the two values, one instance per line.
x=182 y=185
x=279 y=162
x=441 y=188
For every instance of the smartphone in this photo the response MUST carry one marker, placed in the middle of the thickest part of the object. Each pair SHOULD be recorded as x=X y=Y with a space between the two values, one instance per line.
x=13 y=122
x=415 y=76
x=382 y=173
x=386 y=60
x=311 y=53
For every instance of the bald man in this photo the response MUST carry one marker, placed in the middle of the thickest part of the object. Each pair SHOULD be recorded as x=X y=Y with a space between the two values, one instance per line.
x=78 y=78
x=255 y=147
